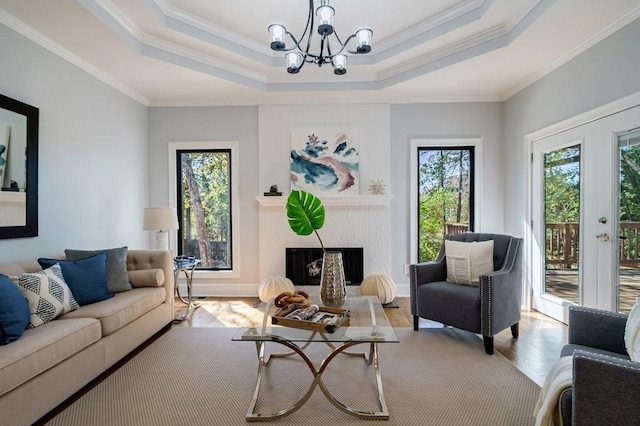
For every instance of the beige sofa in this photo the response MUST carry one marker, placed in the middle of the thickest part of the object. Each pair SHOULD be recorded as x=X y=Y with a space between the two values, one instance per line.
x=53 y=361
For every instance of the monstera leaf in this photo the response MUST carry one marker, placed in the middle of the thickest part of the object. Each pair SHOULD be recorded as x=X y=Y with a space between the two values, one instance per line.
x=305 y=213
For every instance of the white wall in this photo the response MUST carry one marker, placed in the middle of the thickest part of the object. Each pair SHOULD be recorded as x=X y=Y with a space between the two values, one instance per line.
x=606 y=72
x=211 y=124
x=92 y=154
x=443 y=121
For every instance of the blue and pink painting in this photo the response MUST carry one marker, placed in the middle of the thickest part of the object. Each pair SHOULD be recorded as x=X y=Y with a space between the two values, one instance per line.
x=324 y=161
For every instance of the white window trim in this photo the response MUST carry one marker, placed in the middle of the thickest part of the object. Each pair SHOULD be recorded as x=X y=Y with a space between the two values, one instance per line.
x=235 y=204
x=476 y=143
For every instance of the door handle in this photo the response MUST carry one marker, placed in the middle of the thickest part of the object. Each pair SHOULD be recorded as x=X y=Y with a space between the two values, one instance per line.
x=603 y=237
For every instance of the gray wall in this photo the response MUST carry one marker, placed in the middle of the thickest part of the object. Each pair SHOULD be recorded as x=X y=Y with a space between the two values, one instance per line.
x=211 y=124
x=433 y=121
x=606 y=72
x=93 y=154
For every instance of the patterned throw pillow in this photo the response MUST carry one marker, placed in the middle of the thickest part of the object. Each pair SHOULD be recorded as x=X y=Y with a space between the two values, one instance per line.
x=48 y=295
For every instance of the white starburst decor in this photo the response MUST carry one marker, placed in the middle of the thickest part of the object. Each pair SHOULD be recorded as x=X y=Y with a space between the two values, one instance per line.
x=377 y=187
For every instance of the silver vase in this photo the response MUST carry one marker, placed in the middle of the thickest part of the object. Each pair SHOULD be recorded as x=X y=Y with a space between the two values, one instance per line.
x=333 y=289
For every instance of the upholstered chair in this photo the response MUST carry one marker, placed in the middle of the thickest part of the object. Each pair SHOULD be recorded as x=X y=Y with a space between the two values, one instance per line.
x=604 y=378
x=485 y=309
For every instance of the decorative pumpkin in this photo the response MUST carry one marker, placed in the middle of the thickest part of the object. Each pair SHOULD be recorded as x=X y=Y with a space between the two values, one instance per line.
x=273 y=286
x=379 y=285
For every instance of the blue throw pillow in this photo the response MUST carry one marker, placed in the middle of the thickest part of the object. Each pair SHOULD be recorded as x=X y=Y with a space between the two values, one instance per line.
x=14 y=311
x=86 y=278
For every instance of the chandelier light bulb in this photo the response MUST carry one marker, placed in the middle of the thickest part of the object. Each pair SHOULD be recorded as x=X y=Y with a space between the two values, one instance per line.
x=294 y=62
x=339 y=63
x=277 y=32
x=325 y=14
x=364 y=40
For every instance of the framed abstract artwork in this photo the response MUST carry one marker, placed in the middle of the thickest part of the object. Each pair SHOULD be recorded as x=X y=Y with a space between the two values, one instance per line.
x=325 y=161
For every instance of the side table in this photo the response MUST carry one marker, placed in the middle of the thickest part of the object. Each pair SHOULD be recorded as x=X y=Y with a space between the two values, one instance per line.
x=187 y=266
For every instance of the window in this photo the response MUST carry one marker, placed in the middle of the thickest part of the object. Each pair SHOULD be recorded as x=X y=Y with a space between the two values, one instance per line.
x=204 y=188
x=443 y=193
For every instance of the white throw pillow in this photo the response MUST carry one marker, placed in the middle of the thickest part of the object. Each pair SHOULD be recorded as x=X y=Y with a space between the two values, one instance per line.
x=48 y=295
x=467 y=261
x=632 y=332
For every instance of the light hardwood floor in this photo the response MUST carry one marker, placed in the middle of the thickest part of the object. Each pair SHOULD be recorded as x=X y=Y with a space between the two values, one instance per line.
x=534 y=352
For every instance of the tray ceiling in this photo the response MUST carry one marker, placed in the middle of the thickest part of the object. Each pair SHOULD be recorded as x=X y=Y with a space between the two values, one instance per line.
x=202 y=52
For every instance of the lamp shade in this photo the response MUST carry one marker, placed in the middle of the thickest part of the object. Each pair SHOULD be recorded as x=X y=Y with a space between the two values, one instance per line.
x=160 y=219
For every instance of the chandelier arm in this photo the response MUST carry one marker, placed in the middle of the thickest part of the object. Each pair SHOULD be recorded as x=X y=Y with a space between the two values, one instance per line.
x=309 y=25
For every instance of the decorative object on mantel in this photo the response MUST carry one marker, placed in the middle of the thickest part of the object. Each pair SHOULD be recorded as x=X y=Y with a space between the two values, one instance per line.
x=273 y=286
x=13 y=187
x=379 y=285
x=273 y=192
x=297 y=56
x=306 y=214
x=377 y=187
x=325 y=160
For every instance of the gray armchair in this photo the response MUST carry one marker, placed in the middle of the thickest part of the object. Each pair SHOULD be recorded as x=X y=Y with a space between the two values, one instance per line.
x=487 y=309
x=605 y=381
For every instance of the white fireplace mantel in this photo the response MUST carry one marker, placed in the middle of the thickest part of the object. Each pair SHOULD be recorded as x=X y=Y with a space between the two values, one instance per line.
x=356 y=200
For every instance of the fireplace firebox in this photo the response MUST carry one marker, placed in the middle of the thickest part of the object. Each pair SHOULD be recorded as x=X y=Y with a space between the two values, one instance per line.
x=304 y=264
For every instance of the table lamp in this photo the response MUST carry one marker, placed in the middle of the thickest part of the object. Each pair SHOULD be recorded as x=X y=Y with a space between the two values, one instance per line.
x=161 y=220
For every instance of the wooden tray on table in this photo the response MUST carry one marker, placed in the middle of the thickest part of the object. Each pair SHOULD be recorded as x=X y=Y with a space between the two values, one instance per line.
x=339 y=318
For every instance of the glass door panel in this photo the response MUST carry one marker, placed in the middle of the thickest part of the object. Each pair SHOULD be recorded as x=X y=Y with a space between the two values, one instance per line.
x=562 y=223
x=629 y=208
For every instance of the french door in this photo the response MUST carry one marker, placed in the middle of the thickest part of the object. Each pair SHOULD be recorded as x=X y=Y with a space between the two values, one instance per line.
x=584 y=219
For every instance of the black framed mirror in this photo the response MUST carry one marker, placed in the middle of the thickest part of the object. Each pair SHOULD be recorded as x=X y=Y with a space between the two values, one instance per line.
x=18 y=169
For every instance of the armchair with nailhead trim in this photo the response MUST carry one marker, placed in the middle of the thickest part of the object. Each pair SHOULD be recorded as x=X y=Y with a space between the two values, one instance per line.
x=486 y=309
x=605 y=381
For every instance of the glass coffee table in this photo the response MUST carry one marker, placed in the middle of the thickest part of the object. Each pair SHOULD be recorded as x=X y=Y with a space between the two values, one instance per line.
x=368 y=325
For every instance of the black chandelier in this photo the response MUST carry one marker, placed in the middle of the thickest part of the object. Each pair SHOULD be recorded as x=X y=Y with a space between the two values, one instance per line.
x=296 y=56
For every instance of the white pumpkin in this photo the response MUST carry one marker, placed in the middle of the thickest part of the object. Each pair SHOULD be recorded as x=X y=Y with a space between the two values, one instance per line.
x=273 y=286
x=379 y=285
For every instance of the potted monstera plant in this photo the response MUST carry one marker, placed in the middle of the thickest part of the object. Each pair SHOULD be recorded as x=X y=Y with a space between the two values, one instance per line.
x=306 y=215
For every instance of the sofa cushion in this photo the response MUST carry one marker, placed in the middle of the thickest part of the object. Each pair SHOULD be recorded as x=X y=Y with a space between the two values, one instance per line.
x=48 y=295
x=86 y=278
x=122 y=308
x=117 y=279
x=467 y=261
x=44 y=347
x=14 y=311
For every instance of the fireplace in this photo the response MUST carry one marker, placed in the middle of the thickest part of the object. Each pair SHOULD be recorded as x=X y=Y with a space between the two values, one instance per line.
x=304 y=265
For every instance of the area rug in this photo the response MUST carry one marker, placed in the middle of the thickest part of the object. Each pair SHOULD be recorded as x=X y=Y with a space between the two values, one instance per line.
x=198 y=376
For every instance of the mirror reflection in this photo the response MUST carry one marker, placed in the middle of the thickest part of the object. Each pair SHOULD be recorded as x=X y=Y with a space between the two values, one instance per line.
x=18 y=169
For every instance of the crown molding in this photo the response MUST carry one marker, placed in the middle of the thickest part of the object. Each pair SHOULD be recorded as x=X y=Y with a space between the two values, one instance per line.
x=298 y=99
x=582 y=47
x=193 y=26
x=193 y=55
x=37 y=37
x=470 y=47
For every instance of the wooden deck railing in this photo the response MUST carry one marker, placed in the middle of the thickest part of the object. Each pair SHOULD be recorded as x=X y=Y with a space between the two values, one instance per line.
x=562 y=244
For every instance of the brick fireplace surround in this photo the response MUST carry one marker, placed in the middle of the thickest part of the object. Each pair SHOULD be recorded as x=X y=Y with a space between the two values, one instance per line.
x=358 y=221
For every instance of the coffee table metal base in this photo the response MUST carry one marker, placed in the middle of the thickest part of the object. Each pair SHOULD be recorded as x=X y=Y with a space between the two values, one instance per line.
x=263 y=362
